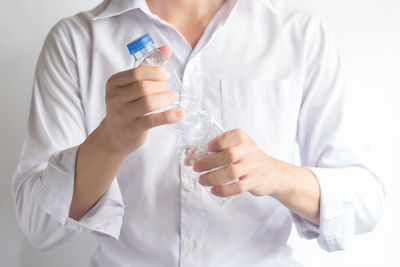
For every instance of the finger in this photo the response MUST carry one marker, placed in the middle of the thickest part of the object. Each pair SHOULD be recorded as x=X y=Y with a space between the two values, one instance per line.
x=166 y=50
x=244 y=184
x=189 y=161
x=225 y=157
x=224 y=175
x=153 y=73
x=151 y=103
x=139 y=89
x=227 y=139
x=157 y=119
x=189 y=153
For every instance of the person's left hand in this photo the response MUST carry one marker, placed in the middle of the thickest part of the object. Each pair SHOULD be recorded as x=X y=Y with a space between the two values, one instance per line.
x=258 y=173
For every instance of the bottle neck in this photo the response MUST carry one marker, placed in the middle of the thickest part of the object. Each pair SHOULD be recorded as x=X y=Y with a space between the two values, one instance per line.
x=142 y=54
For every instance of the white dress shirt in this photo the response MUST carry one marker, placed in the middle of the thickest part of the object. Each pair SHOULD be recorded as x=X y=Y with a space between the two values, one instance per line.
x=266 y=68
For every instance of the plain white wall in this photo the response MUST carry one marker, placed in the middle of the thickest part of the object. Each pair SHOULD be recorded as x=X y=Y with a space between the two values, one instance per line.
x=23 y=27
x=368 y=32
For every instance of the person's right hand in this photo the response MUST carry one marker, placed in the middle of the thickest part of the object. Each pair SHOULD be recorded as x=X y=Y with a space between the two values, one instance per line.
x=130 y=96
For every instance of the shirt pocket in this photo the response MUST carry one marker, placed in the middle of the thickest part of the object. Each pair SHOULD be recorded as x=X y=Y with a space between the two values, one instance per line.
x=266 y=110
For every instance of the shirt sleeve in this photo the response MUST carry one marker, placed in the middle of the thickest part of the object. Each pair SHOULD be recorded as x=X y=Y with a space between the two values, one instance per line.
x=334 y=146
x=44 y=179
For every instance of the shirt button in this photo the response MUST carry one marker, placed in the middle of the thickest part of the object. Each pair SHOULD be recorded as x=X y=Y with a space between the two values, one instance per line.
x=190 y=244
x=189 y=186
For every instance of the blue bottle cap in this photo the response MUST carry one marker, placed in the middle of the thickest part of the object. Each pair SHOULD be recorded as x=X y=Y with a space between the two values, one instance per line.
x=140 y=43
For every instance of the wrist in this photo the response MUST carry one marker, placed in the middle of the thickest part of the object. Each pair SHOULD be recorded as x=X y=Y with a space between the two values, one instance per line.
x=285 y=184
x=298 y=190
x=100 y=143
x=96 y=167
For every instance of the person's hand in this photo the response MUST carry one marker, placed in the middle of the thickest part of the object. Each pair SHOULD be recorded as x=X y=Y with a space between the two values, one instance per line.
x=257 y=172
x=130 y=96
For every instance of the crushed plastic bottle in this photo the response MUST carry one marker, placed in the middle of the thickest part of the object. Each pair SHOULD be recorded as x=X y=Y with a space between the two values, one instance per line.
x=197 y=128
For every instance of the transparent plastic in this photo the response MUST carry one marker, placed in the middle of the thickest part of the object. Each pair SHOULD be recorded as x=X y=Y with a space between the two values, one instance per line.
x=196 y=129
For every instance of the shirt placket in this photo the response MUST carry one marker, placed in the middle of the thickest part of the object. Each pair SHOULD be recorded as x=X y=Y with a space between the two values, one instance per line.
x=192 y=207
x=192 y=210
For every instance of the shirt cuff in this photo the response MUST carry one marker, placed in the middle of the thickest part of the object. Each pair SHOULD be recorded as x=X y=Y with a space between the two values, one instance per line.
x=337 y=213
x=54 y=192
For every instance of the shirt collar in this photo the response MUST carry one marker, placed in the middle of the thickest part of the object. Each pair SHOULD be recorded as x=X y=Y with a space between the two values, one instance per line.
x=118 y=7
x=270 y=5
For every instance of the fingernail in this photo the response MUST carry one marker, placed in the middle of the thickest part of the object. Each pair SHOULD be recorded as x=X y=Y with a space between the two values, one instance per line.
x=196 y=167
x=210 y=147
x=179 y=114
x=214 y=190
x=167 y=74
x=201 y=180
x=174 y=95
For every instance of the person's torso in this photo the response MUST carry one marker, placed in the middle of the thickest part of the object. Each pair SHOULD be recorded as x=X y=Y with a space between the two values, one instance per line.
x=247 y=68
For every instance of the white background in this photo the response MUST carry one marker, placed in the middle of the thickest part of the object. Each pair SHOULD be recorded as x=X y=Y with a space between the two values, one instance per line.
x=368 y=33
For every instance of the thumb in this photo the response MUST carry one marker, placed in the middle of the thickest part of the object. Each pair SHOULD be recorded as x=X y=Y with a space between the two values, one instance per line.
x=166 y=50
